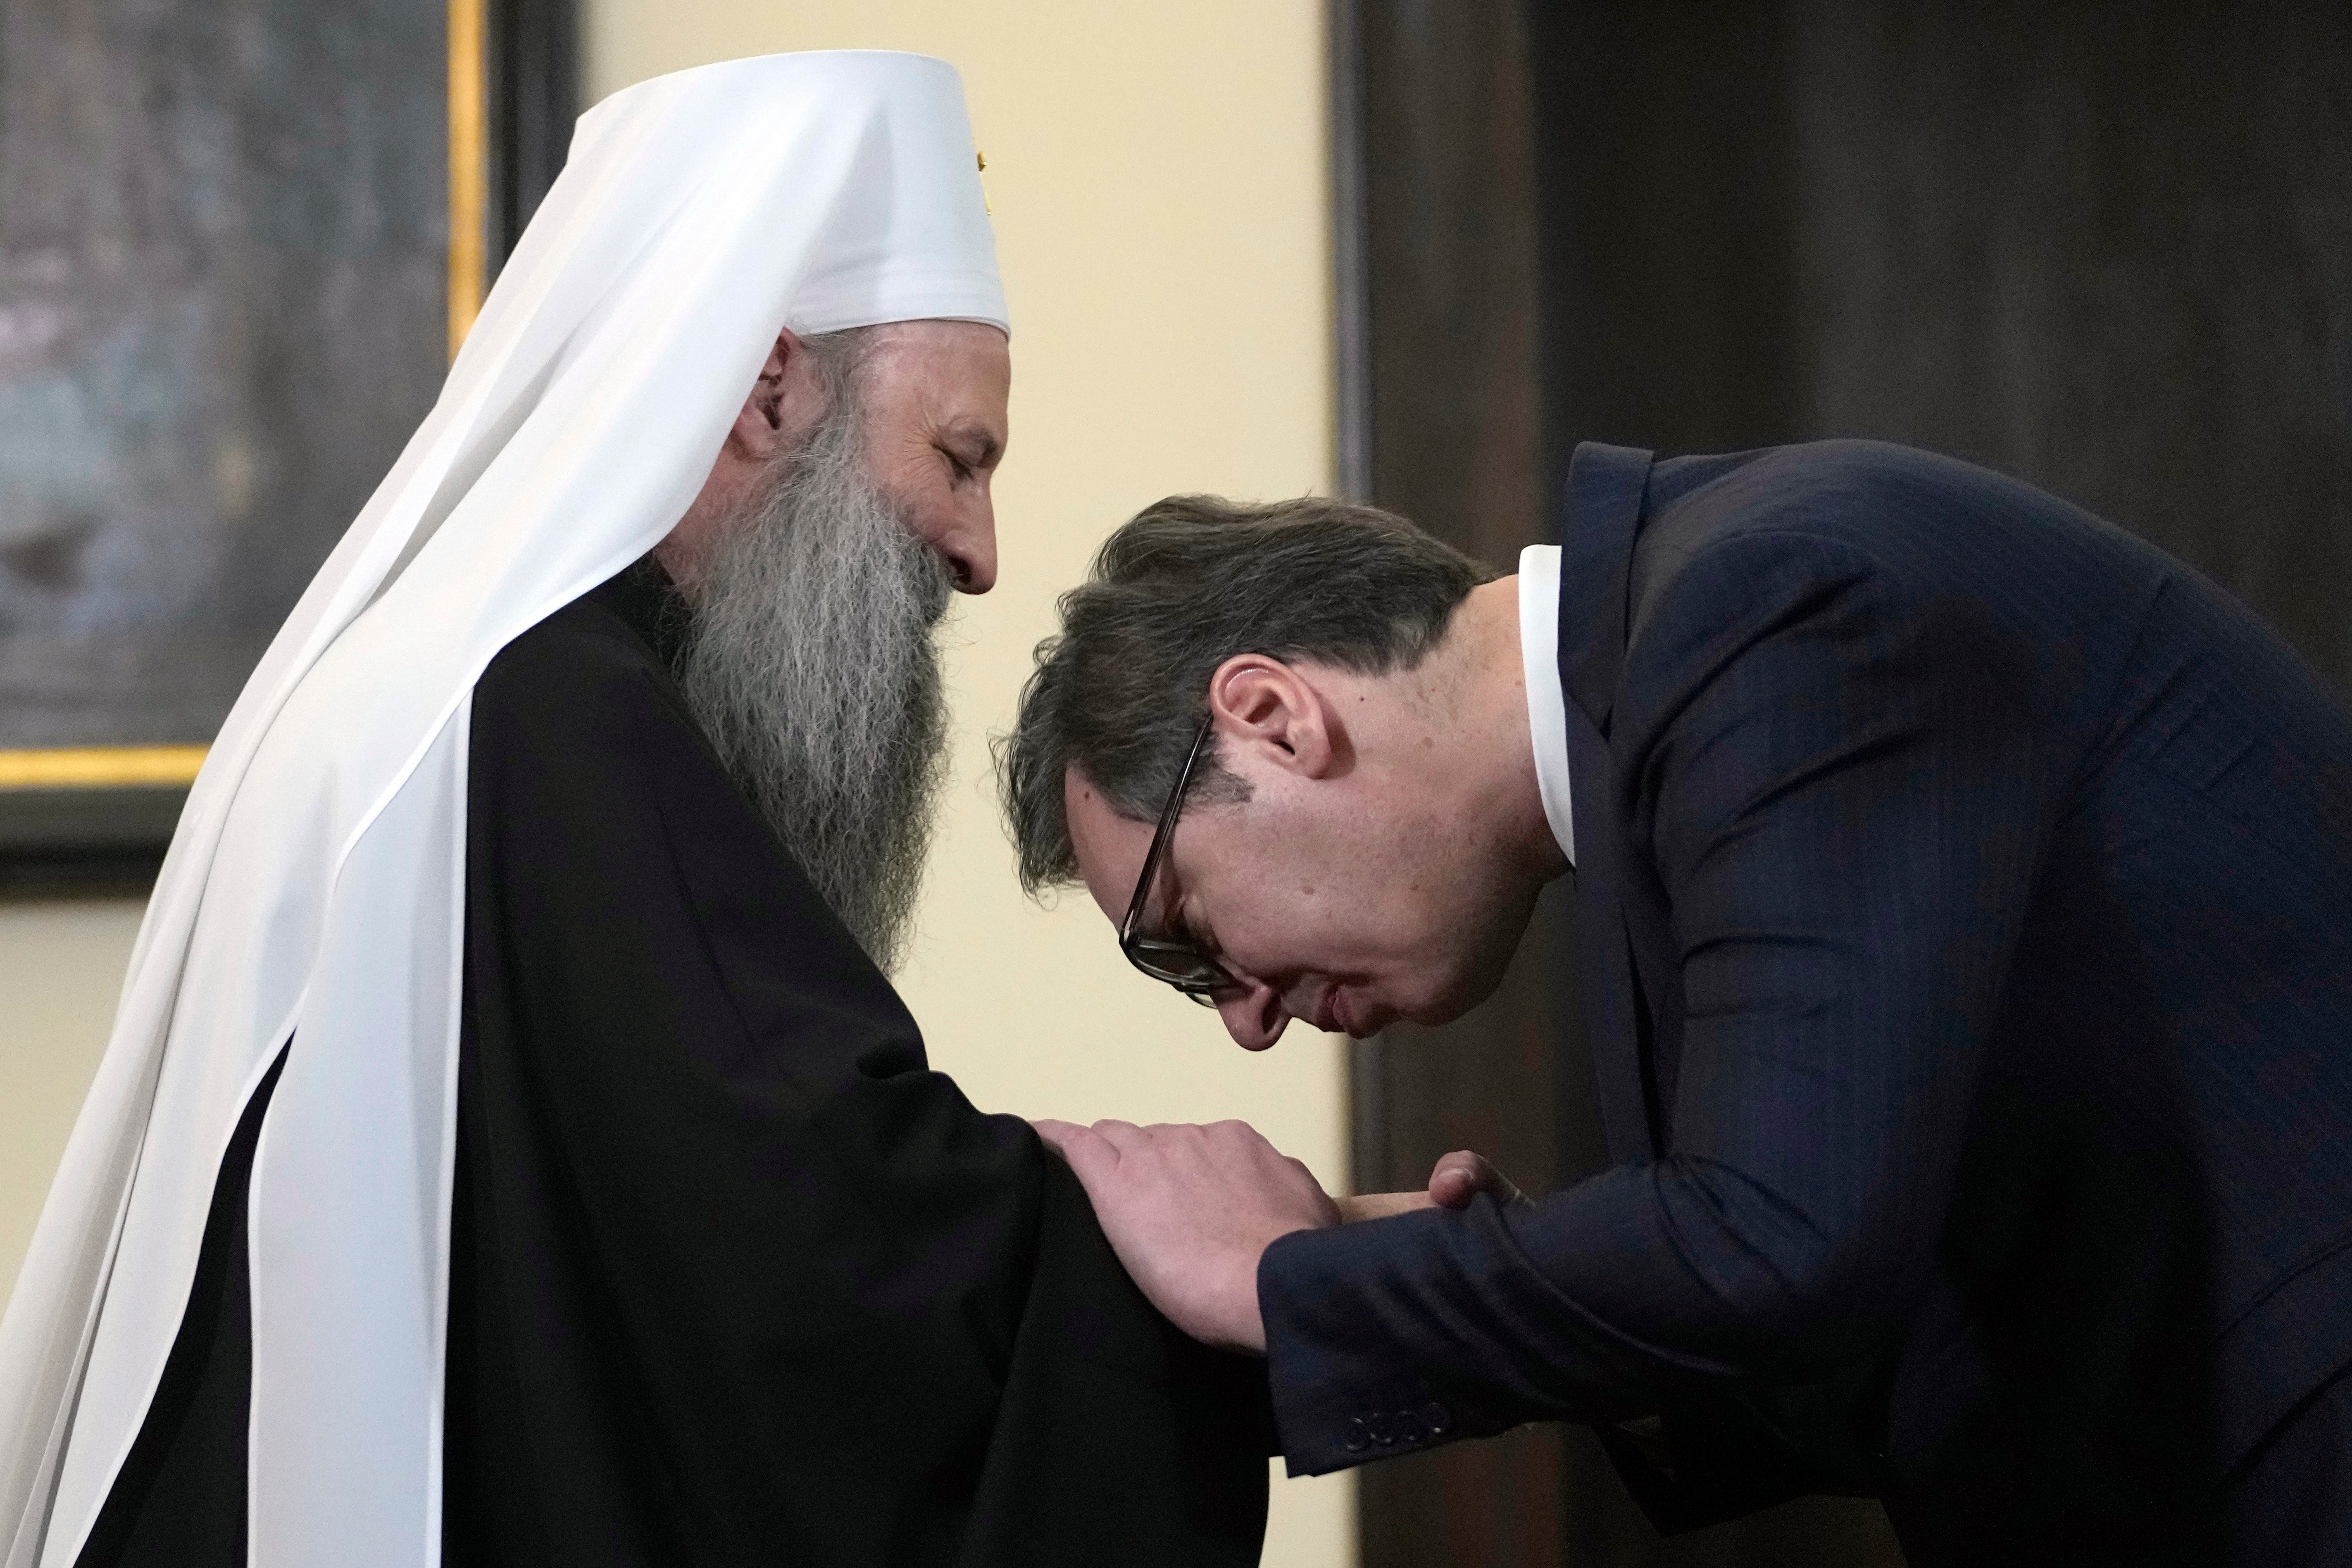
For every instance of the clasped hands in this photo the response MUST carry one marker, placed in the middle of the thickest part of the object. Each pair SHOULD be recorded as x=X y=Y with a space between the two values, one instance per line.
x=1190 y=1209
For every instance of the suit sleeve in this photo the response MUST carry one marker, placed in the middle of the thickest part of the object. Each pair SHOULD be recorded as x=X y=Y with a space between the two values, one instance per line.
x=1832 y=774
x=770 y=1288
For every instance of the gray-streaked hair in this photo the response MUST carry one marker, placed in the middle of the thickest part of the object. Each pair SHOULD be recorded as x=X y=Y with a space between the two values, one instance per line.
x=1183 y=585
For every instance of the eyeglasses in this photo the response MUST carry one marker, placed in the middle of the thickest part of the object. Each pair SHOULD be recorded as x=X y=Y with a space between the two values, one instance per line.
x=1181 y=963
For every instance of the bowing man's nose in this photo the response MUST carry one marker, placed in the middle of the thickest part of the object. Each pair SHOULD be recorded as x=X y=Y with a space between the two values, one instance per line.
x=1254 y=1016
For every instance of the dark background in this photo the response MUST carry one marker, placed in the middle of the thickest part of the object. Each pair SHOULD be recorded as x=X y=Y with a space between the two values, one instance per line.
x=223 y=232
x=2106 y=247
x=224 y=242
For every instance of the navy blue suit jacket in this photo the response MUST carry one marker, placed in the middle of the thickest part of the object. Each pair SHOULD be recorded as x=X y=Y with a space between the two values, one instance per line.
x=1964 y=909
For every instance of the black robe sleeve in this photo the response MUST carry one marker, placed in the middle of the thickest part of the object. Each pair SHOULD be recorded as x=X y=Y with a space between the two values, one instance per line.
x=736 y=1278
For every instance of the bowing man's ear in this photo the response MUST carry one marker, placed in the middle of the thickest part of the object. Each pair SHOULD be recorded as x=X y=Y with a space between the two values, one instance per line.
x=1267 y=708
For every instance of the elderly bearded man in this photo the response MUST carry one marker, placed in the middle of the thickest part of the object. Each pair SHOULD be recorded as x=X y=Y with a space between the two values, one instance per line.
x=1964 y=900
x=563 y=833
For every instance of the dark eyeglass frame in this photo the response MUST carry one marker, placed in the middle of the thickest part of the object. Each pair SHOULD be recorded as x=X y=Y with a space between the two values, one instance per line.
x=1179 y=963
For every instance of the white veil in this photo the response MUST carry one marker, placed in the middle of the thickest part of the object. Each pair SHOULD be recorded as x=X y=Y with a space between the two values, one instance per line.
x=315 y=889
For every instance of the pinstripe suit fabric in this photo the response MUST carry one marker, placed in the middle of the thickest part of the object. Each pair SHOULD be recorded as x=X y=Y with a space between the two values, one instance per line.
x=1964 y=920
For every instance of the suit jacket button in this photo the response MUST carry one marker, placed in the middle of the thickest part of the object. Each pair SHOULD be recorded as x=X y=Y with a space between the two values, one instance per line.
x=1357 y=1437
x=1379 y=1428
x=1409 y=1426
x=1436 y=1417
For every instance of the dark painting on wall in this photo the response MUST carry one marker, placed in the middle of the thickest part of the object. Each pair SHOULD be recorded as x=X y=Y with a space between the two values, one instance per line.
x=222 y=240
x=224 y=304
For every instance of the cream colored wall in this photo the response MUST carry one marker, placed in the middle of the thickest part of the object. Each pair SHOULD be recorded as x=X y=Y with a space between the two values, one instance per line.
x=1156 y=170
x=61 y=966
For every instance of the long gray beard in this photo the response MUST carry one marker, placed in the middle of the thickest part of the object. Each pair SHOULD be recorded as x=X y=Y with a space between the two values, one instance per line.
x=811 y=663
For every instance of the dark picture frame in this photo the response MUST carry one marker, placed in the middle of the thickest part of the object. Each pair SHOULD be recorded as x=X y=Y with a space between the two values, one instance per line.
x=95 y=814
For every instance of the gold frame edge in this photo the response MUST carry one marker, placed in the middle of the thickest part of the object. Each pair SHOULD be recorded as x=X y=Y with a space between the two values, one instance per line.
x=101 y=768
x=468 y=166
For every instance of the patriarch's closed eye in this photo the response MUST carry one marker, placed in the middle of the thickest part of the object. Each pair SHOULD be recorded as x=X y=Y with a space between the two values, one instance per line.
x=970 y=447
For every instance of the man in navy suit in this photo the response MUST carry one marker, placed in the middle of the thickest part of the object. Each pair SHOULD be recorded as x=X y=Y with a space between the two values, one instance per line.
x=1964 y=906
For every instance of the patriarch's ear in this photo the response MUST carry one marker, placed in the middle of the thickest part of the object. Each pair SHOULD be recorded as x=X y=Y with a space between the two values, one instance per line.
x=764 y=422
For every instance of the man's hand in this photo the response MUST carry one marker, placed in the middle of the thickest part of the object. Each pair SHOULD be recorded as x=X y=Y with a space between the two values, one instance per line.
x=1457 y=1178
x=1189 y=1210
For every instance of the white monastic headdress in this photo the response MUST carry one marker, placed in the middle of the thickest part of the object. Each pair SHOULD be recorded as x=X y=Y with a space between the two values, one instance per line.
x=315 y=889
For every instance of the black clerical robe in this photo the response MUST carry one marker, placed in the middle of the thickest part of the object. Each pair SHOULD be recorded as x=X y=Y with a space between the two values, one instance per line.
x=735 y=1278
